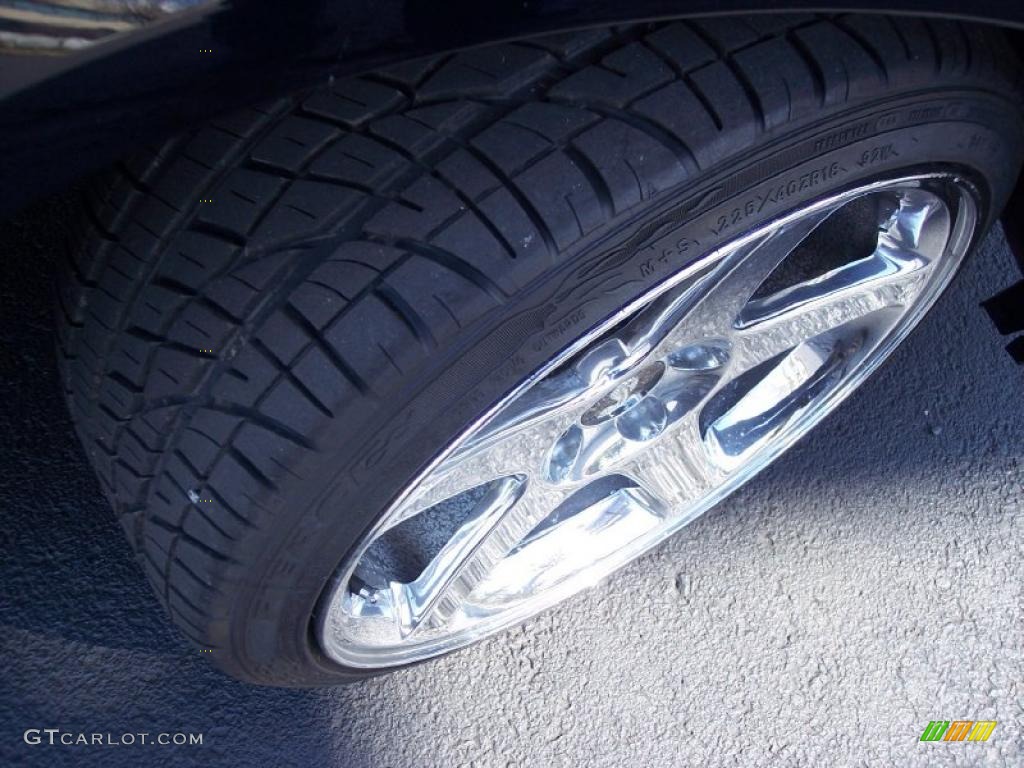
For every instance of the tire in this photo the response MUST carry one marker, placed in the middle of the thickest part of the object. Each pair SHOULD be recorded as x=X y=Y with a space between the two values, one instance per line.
x=273 y=322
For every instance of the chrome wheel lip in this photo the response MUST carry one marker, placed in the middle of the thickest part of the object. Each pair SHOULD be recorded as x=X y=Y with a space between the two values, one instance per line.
x=963 y=229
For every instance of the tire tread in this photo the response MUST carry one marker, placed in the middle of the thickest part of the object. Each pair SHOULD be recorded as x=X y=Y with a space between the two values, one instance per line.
x=332 y=208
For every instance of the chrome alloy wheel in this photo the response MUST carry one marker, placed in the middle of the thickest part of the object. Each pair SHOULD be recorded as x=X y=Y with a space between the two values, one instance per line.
x=648 y=420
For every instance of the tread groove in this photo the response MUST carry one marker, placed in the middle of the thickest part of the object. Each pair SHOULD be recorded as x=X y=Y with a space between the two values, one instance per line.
x=417 y=326
x=726 y=57
x=456 y=264
x=813 y=67
x=294 y=380
x=593 y=175
x=868 y=49
x=325 y=347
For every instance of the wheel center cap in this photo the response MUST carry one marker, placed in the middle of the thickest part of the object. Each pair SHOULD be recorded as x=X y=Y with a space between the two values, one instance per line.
x=625 y=396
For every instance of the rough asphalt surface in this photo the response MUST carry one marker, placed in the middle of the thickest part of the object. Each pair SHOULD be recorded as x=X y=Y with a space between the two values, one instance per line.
x=870 y=581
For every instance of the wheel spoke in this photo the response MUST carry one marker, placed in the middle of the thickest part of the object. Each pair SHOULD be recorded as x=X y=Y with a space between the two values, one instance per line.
x=732 y=282
x=511 y=452
x=471 y=554
x=749 y=412
x=785 y=320
x=677 y=468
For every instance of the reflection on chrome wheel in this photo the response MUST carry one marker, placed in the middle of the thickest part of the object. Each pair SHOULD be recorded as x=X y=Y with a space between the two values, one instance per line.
x=648 y=420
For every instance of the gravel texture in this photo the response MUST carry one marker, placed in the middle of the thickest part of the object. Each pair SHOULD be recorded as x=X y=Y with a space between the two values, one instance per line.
x=870 y=581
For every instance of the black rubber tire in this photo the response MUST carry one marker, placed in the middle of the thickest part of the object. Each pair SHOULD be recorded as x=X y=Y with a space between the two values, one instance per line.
x=290 y=310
